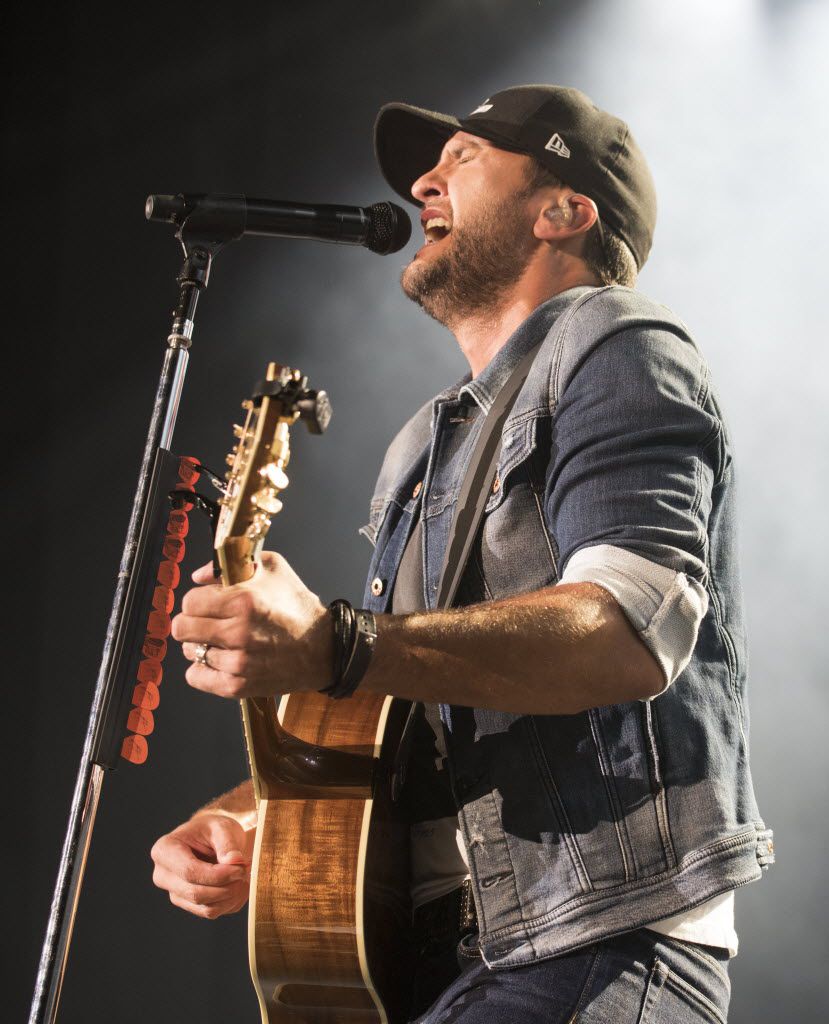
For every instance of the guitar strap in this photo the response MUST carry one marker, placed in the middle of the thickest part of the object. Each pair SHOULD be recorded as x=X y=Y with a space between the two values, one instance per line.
x=469 y=510
x=477 y=484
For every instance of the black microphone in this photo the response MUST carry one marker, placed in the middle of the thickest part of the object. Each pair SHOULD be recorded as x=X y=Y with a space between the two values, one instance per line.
x=383 y=227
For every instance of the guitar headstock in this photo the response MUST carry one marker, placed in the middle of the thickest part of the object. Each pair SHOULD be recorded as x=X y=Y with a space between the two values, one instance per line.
x=257 y=466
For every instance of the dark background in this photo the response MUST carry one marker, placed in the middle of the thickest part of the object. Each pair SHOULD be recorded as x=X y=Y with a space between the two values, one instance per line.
x=102 y=107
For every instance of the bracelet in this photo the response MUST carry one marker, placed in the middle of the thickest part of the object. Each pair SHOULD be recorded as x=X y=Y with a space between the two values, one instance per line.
x=355 y=633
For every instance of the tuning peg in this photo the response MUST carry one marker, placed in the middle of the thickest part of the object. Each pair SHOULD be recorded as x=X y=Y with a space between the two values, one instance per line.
x=267 y=501
x=229 y=460
x=315 y=411
x=247 y=405
x=238 y=431
x=275 y=475
x=260 y=526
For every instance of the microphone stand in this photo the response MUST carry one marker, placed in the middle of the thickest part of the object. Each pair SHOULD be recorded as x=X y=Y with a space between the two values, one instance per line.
x=202 y=233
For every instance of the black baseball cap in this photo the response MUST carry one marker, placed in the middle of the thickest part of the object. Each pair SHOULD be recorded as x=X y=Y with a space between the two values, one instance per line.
x=588 y=149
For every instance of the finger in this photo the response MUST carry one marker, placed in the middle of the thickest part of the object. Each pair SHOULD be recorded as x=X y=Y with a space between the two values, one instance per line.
x=177 y=856
x=193 y=871
x=204 y=574
x=204 y=895
x=275 y=564
x=270 y=561
x=209 y=599
x=229 y=840
x=234 y=662
x=220 y=684
x=209 y=912
x=197 y=629
x=218 y=602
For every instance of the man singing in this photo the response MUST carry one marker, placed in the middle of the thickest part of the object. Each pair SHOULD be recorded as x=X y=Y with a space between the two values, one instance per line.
x=580 y=764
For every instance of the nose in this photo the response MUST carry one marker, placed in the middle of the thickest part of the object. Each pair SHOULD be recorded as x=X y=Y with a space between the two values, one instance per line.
x=429 y=185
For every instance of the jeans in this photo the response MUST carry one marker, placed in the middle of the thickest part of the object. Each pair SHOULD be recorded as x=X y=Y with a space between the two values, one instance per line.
x=639 y=977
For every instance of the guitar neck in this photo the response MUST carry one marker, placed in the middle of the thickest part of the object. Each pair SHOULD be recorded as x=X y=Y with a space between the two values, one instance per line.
x=251 y=498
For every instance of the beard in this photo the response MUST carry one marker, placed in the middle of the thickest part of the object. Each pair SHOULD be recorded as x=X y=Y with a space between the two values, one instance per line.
x=482 y=262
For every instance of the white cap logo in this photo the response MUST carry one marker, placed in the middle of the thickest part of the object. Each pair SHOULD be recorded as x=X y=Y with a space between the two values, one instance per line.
x=558 y=146
x=484 y=107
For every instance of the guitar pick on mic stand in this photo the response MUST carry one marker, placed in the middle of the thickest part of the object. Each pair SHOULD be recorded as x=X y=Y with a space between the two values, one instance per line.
x=205 y=223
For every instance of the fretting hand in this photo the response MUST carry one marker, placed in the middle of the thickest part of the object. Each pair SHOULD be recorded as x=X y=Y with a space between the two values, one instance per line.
x=266 y=636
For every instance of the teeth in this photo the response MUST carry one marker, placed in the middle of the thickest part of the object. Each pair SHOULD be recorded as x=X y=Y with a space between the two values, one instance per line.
x=436 y=228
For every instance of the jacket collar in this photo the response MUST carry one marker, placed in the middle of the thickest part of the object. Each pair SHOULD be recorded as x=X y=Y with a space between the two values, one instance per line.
x=483 y=388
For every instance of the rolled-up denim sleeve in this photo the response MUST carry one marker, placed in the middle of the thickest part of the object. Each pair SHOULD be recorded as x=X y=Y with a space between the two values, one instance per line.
x=635 y=450
x=664 y=607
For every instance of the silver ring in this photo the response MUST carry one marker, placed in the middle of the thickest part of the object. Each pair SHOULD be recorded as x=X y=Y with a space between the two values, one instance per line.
x=201 y=654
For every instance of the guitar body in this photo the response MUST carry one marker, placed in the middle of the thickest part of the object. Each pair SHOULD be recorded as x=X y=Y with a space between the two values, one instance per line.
x=329 y=910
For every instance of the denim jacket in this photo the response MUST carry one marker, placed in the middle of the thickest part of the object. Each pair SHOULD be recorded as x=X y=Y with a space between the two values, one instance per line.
x=581 y=826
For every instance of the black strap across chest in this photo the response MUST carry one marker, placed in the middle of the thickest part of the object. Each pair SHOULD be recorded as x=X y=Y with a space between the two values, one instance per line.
x=469 y=511
x=477 y=483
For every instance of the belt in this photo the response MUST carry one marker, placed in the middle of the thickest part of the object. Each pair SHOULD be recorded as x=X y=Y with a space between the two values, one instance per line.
x=448 y=917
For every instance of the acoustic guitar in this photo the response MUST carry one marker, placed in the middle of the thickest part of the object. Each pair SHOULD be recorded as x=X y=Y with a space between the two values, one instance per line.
x=329 y=905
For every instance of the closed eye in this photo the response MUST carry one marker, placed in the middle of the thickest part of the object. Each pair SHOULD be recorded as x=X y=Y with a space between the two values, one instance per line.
x=464 y=155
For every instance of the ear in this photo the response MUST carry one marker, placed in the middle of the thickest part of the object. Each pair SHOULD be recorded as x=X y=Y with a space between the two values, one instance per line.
x=566 y=217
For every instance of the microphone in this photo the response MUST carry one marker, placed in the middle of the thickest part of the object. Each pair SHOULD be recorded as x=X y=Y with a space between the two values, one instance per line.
x=383 y=227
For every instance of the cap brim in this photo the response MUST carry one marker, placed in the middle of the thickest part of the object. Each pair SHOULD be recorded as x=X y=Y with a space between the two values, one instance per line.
x=407 y=143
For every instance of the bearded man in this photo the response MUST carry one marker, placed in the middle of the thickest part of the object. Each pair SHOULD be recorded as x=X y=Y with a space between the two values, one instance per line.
x=581 y=802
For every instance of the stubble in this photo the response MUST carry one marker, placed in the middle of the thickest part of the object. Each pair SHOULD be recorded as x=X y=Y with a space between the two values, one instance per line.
x=484 y=259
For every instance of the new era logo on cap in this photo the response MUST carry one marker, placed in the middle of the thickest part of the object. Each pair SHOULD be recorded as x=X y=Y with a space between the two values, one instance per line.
x=557 y=145
x=484 y=107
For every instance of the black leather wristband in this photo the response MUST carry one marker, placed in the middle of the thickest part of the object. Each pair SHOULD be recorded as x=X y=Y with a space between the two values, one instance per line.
x=355 y=634
x=362 y=649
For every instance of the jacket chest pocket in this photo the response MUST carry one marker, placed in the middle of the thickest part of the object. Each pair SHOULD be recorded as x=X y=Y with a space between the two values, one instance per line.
x=514 y=552
x=388 y=529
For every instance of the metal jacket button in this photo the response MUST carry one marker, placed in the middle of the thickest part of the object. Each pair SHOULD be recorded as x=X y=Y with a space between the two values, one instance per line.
x=377 y=586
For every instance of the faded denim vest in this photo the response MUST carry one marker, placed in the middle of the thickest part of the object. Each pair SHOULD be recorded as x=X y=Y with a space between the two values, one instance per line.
x=581 y=826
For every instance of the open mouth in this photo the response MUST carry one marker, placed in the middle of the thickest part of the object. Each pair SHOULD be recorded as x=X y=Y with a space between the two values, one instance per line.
x=436 y=229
